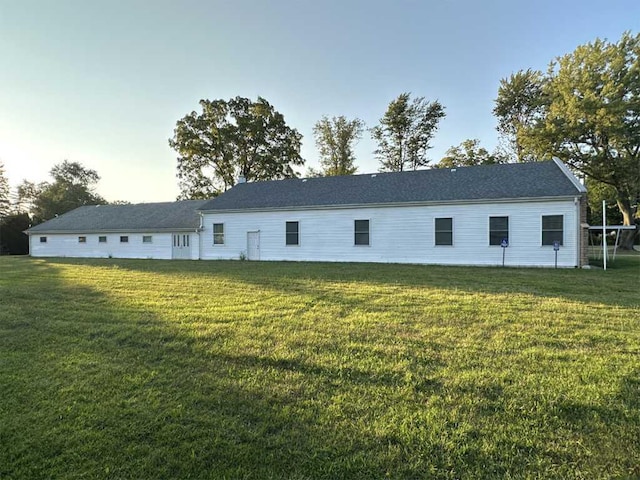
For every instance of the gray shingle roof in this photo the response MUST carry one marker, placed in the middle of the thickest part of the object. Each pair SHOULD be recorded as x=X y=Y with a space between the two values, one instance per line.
x=491 y=182
x=119 y=218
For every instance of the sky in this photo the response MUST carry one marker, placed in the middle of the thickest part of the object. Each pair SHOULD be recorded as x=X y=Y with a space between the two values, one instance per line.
x=103 y=83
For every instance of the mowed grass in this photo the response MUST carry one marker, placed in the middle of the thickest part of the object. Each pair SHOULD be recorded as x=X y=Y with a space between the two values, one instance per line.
x=240 y=370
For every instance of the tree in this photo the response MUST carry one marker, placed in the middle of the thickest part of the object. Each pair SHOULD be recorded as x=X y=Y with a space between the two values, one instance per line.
x=335 y=139
x=518 y=105
x=12 y=239
x=72 y=187
x=591 y=118
x=470 y=153
x=405 y=131
x=27 y=192
x=5 y=202
x=598 y=192
x=229 y=139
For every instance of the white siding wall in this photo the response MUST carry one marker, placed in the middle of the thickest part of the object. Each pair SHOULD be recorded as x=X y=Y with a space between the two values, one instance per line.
x=194 y=242
x=399 y=234
x=66 y=245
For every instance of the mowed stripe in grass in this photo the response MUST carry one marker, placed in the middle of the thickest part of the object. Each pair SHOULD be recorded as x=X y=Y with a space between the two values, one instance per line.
x=151 y=369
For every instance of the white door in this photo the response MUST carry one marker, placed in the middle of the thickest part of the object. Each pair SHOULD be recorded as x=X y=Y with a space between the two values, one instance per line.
x=181 y=246
x=253 y=245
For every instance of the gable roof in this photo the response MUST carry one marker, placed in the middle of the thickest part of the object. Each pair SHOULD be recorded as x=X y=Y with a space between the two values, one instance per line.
x=147 y=217
x=487 y=182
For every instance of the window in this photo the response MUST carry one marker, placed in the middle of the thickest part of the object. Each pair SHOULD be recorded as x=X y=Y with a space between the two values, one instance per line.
x=176 y=241
x=444 y=231
x=102 y=239
x=146 y=239
x=498 y=230
x=552 y=229
x=124 y=239
x=361 y=228
x=293 y=237
x=82 y=239
x=218 y=233
x=43 y=239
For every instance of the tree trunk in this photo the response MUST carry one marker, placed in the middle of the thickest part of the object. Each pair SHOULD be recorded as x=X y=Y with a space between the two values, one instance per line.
x=627 y=237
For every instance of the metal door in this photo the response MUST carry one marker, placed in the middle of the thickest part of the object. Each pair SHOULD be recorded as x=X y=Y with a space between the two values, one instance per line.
x=253 y=245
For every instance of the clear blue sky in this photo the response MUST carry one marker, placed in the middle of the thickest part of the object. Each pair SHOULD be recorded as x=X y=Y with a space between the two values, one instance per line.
x=103 y=83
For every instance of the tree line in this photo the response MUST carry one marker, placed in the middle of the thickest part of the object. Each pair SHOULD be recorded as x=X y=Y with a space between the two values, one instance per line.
x=228 y=139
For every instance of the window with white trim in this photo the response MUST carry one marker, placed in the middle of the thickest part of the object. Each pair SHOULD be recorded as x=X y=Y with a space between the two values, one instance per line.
x=552 y=229
x=218 y=233
x=124 y=239
x=147 y=239
x=82 y=239
x=498 y=230
x=102 y=239
x=444 y=231
x=43 y=239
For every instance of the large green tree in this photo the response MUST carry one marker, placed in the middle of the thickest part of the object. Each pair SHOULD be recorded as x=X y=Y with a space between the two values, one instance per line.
x=518 y=105
x=233 y=138
x=405 y=132
x=588 y=115
x=73 y=186
x=470 y=153
x=335 y=139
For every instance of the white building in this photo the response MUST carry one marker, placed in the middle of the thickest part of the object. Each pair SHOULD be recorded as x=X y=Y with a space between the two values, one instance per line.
x=461 y=216
x=147 y=230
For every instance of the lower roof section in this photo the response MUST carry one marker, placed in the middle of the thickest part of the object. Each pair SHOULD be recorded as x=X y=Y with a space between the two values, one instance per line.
x=142 y=217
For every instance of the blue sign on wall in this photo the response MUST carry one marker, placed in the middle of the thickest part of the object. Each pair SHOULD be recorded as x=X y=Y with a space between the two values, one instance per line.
x=556 y=245
x=504 y=243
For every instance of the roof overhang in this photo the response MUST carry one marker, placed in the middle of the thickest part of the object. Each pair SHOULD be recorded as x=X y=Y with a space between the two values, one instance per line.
x=396 y=204
x=107 y=230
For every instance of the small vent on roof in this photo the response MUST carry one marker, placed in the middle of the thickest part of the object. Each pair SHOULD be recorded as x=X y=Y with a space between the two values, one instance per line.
x=453 y=169
x=373 y=175
x=304 y=179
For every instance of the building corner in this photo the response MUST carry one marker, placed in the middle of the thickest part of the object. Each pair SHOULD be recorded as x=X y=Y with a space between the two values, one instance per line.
x=583 y=256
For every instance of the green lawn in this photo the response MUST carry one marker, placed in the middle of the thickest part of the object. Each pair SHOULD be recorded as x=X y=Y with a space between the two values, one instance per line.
x=158 y=369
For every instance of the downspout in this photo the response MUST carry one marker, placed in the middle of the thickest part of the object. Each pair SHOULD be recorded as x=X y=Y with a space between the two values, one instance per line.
x=198 y=230
x=578 y=250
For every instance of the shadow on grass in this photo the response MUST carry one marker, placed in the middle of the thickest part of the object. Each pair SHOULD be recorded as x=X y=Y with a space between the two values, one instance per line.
x=93 y=387
x=621 y=412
